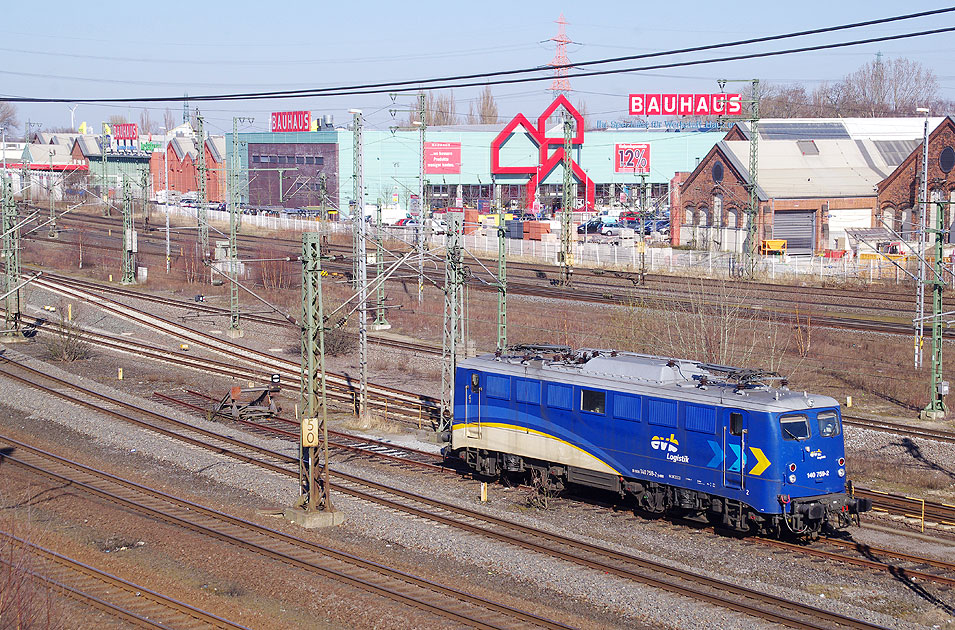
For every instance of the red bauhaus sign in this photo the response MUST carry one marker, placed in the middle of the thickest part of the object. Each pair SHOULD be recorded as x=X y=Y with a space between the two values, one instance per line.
x=442 y=157
x=291 y=121
x=632 y=158
x=685 y=104
x=125 y=131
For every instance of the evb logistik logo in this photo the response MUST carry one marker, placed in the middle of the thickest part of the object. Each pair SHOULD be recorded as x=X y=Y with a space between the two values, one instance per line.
x=670 y=446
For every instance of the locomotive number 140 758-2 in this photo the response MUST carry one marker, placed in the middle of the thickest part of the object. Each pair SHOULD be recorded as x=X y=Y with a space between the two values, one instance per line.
x=817 y=474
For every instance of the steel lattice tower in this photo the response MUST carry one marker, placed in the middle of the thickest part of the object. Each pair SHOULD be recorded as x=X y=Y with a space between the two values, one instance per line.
x=501 y=280
x=201 y=183
x=566 y=261
x=313 y=463
x=753 y=210
x=235 y=222
x=560 y=63
x=11 y=258
x=107 y=211
x=453 y=281
x=129 y=236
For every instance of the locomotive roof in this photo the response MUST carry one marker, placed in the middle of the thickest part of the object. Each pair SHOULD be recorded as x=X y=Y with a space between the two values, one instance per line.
x=681 y=379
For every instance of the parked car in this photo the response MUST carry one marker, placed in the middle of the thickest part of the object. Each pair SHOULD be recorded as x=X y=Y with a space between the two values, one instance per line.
x=590 y=227
x=525 y=216
x=407 y=221
x=611 y=229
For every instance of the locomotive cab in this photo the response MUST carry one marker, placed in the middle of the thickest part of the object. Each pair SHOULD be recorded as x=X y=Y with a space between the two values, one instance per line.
x=814 y=489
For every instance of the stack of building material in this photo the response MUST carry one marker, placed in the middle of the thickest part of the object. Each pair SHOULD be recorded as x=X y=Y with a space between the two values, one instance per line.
x=534 y=229
x=472 y=220
x=515 y=229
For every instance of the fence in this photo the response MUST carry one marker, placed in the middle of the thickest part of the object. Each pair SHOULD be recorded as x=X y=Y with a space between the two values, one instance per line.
x=607 y=254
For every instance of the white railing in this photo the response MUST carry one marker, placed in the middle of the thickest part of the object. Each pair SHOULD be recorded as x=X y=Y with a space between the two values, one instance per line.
x=606 y=254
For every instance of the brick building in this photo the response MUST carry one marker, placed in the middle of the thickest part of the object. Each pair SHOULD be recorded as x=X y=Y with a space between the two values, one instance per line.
x=898 y=193
x=816 y=178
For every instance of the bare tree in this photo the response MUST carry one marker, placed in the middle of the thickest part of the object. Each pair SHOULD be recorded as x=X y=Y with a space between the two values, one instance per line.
x=439 y=109
x=168 y=120
x=146 y=124
x=117 y=119
x=8 y=115
x=584 y=113
x=486 y=111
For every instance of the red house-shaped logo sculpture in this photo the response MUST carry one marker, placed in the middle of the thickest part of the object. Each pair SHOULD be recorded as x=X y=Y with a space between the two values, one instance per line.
x=550 y=150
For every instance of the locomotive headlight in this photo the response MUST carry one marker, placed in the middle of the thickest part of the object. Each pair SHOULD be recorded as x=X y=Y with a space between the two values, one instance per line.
x=842 y=472
x=842 y=461
x=792 y=478
x=792 y=468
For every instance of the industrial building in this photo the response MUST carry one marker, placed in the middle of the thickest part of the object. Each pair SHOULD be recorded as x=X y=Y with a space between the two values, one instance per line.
x=816 y=179
x=292 y=169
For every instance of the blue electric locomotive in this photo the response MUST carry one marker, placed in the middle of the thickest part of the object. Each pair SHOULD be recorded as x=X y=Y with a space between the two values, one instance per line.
x=730 y=444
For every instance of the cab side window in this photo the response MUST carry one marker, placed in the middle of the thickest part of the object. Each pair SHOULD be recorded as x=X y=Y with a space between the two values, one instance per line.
x=736 y=423
x=829 y=424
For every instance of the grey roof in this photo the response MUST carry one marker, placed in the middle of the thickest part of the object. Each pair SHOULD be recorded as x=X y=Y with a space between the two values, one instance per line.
x=837 y=168
x=47 y=137
x=676 y=379
x=184 y=146
x=89 y=146
x=40 y=154
x=216 y=146
x=908 y=128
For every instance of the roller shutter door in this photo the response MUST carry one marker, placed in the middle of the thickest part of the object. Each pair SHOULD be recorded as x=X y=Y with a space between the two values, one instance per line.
x=798 y=227
x=840 y=220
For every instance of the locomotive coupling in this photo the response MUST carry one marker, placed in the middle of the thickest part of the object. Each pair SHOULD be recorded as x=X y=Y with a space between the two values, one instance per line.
x=858 y=505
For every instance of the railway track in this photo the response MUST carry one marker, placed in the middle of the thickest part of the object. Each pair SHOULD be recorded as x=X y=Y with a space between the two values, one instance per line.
x=660 y=575
x=90 y=288
x=132 y=603
x=413 y=408
x=310 y=557
x=891 y=311
x=869 y=555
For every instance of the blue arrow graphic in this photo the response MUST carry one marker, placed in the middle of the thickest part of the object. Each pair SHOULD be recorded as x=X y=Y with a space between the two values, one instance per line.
x=736 y=465
x=717 y=455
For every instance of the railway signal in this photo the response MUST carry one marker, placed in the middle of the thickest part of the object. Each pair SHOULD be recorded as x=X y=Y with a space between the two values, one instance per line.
x=129 y=236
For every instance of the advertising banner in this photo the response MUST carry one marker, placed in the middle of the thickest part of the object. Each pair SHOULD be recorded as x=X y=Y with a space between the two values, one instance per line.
x=442 y=158
x=291 y=121
x=126 y=131
x=686 y=104
x=632 y=158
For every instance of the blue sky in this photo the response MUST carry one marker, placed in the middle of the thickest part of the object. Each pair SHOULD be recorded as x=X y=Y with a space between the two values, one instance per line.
x=131 y=49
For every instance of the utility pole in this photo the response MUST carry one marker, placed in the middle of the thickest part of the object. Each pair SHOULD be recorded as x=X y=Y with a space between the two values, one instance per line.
x=144 y=188
x=107 y=211
x=314 y=506
x=234 y=218
x=129 y=236
x=380 y=322
x=753 y=209
x=501 y=280
x=201 y=183
x=358 y=195
x=923 y=225
x=424 y=226
x=52 y=233
x=453 y=281
x=935 y=410
x=359 y=221
x=566 y=257
x=11 y=257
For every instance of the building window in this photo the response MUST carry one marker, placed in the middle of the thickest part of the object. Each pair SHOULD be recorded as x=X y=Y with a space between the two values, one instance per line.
x=300 y=159
x=319 y=160
x=264 y=159
x=309 y=159
x=255 y=158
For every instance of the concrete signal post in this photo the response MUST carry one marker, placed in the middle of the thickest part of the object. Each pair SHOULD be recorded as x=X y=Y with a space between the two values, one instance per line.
x=313 y=509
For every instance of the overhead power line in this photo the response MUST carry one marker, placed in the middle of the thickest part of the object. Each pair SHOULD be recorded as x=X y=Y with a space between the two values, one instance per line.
x=469 y=80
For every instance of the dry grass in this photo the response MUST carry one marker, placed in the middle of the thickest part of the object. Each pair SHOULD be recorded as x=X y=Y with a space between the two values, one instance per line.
x=875 y=369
